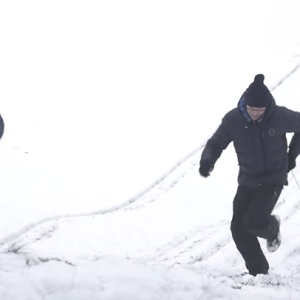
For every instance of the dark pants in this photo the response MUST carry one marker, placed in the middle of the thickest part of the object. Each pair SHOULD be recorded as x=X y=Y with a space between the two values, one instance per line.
x=251 y=219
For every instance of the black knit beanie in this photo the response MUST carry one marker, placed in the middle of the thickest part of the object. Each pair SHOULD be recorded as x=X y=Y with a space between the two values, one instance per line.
x=257 y=94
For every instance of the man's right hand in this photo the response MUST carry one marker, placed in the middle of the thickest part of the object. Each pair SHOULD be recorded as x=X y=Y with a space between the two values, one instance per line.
x=205 y=168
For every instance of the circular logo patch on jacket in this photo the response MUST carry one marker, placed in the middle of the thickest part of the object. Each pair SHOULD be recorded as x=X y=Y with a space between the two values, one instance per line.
x=272 y=131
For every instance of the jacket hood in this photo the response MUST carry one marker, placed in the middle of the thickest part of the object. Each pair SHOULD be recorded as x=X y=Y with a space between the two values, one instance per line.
x=269 y=110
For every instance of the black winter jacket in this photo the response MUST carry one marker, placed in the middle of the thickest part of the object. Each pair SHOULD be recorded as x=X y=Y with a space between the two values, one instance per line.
x=261 y=146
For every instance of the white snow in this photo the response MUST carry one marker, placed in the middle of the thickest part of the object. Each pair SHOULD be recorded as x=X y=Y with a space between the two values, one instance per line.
x=107 y=106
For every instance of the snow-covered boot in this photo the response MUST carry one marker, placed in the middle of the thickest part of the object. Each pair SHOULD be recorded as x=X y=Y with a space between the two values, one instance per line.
x=274 y=244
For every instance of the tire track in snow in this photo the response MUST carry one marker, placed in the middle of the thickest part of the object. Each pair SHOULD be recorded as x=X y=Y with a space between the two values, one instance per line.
x=194 y=247
x=283 y=79
x=148 y=195
x=163 y=184
x=169 y=182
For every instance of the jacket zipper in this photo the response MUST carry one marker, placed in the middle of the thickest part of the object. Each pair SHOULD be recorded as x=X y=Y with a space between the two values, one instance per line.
x=262 y=144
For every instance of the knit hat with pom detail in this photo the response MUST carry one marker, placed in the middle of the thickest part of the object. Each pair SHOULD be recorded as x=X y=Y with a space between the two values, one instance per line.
x=257 y=94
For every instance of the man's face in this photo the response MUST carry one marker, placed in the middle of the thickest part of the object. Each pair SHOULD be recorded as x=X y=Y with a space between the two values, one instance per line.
x=255 y=112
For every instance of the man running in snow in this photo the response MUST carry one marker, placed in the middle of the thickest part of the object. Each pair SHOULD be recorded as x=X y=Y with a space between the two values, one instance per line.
x=257 y=127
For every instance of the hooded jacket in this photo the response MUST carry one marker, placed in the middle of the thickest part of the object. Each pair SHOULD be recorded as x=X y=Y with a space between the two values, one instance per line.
x=261 y=146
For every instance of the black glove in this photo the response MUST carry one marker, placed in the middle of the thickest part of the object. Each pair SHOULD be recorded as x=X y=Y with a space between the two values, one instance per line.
x=292 y=162
x=205 y=168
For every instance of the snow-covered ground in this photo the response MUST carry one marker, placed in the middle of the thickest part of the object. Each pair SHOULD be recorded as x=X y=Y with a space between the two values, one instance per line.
x=107 y=106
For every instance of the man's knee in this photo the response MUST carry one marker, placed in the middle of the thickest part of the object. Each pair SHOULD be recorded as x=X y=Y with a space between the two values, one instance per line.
x=236 y=227
x=253 y=222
